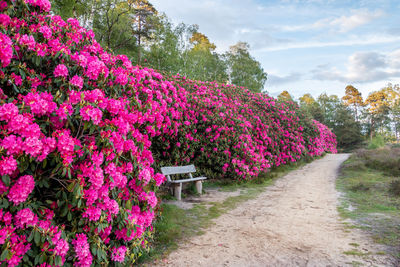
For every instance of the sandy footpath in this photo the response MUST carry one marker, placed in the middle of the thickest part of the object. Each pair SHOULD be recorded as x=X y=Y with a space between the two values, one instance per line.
x=293 y=223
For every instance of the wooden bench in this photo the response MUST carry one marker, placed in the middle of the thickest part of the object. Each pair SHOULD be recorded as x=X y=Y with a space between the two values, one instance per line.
x=189 y=169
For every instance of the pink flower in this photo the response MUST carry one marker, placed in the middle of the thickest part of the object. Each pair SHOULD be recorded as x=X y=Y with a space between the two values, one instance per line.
x=6 y=50
x=61 y=248
x=90 y=113
x=27 y=40
x=159 y=178
x=25 y=217
x=7 y=165
x=122 y=79
x=82 y=251
x=118 y=254
x=77 y=81
x=61 y=71
x=12 y=144
x=40 y=103
x=21 y=189
x=46 y=31
x=152 y=199
x=92 y=213
x=4 y=20
x=44 y=5
x=8 y=111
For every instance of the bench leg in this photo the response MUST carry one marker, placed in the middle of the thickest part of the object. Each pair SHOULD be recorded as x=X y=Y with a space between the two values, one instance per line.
x=199 y=187
x=178 y=191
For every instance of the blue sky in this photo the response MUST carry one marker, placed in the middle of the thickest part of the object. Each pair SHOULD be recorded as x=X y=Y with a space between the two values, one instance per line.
x=305 y=46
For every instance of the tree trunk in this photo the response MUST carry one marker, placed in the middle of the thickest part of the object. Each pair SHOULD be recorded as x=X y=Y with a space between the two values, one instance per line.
x=139 y=41
x=372 y=129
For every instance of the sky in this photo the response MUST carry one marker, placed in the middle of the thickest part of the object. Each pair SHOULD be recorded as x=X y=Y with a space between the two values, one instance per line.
x=305 y=46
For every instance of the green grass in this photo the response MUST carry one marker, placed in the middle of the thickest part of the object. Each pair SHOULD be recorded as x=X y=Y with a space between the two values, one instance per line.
x=355 y=252
x=175 y=224
x=369 y=202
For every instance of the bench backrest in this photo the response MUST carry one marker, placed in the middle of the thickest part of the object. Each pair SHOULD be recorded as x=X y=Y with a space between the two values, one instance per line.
x=178 y=170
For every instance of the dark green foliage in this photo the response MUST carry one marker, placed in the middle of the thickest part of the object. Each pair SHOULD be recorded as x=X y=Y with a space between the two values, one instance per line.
x=244 y=69
x=347 y=130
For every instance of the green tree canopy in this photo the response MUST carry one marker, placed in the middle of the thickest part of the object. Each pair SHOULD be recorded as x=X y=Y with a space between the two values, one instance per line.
x=244 y=70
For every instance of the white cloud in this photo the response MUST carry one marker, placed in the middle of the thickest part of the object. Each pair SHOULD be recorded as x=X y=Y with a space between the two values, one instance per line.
x=340 y=24
x=359 y=18
x=363 y=67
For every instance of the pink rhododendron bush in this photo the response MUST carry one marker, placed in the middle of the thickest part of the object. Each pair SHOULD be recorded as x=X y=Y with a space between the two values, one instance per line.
x=231 y=132
x=77 y=186
x=83 y=133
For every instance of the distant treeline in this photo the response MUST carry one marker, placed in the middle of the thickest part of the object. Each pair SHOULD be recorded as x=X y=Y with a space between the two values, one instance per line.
x=354 y=119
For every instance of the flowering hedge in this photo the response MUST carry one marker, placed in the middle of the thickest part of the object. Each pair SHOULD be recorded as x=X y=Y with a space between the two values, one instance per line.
x=79 y=128
x=231 y=132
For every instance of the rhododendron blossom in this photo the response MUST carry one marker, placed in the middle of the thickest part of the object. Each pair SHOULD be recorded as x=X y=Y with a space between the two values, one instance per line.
x=21 y=189
x=6 y=51
x=61 y=71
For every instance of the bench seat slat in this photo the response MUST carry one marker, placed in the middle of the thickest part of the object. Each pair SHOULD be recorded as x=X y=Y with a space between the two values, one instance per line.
x=188 y=180
x=178 y=169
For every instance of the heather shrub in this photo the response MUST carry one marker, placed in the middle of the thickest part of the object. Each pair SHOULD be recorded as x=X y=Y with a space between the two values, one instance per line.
x=386 y=159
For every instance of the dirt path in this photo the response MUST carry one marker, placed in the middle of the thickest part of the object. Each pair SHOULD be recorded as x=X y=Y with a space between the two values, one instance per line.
x=293 y=223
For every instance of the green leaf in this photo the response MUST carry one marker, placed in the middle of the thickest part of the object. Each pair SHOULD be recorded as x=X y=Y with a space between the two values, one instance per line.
x=6 y=180
x=69 y=216
x=58 y=261
x=30 y=237
x=64 y=210
x=94 y=250
x=4 y=255
x=37 y=238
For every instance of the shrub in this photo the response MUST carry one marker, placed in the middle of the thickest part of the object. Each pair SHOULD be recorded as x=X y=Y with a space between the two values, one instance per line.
x=228 y=131
x=376 y=142
x=385 y=159
x=77 y=183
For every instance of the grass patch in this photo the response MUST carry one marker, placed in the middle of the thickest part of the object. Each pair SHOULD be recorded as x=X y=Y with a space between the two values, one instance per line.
x=369 y=199
x=355 y=252
x=175 y=224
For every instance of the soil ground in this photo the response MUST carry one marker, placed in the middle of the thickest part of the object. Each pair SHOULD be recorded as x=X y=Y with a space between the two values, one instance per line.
x=295 y=222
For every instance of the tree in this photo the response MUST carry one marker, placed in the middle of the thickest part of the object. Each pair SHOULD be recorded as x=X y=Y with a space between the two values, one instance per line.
x=311 y=107
x=165 y=48
x=243 y=69
x=328 y=106
x=285 y=96
x=346 y=128
x=393 y=102
x=142 y=23
x=109 y=19
x=353 y=98
x=378 y=109
x=202 y=62
x=112 y=26
x=201 y=42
